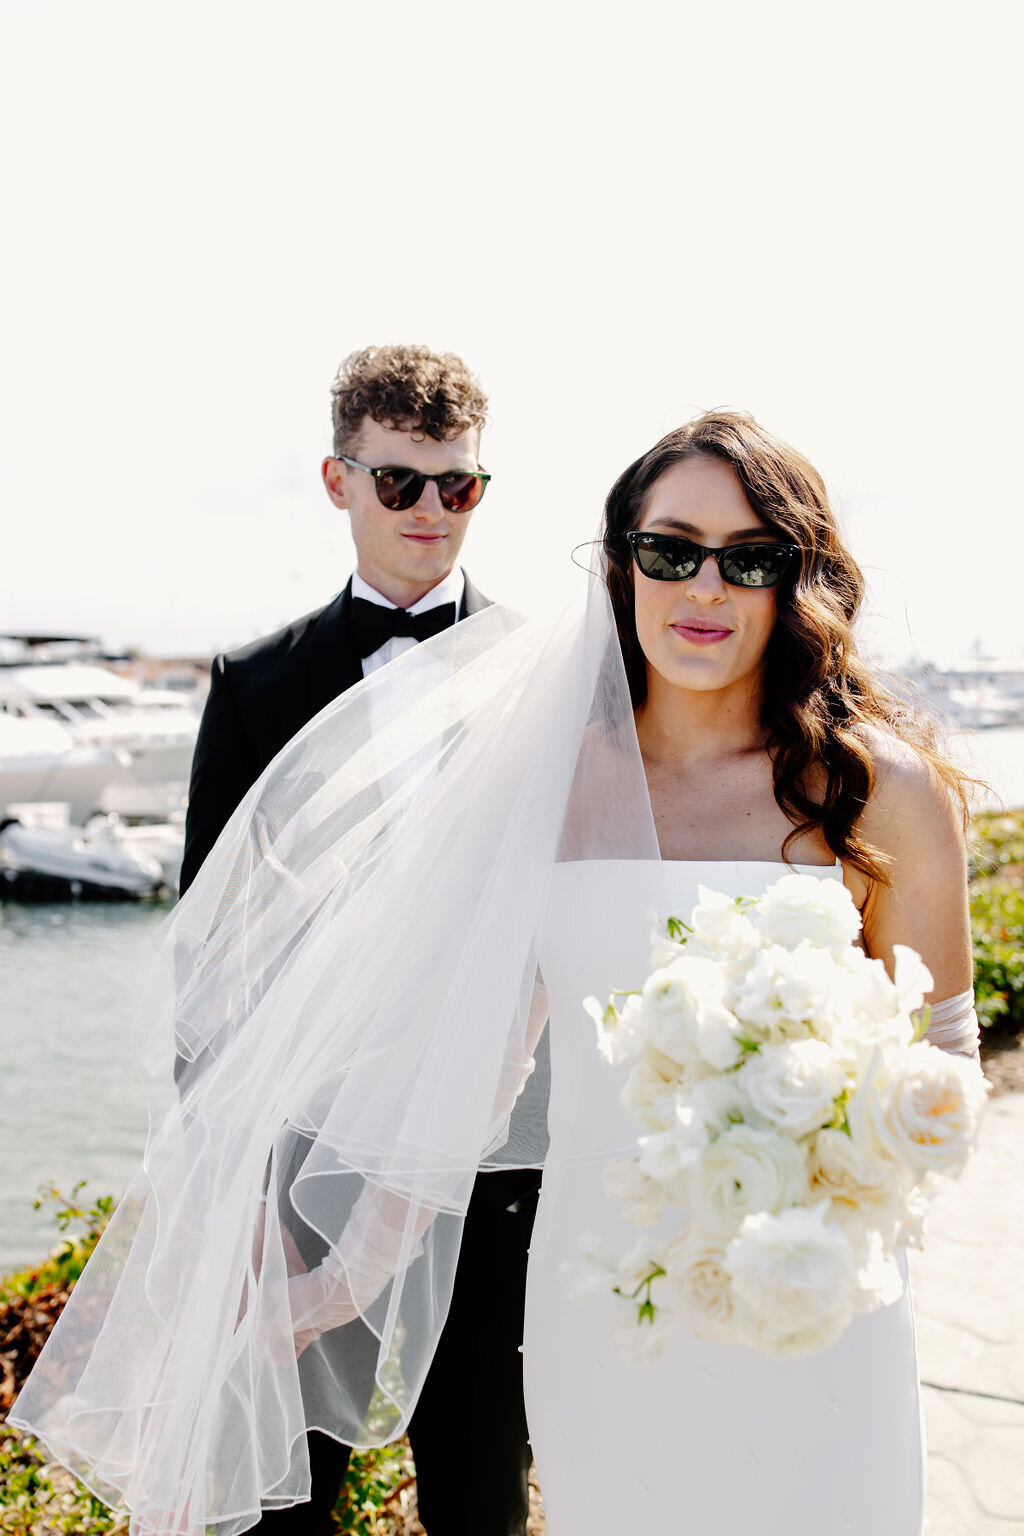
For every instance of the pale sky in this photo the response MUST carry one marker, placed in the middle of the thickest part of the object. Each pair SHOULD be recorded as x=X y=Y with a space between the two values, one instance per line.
x=618 y=214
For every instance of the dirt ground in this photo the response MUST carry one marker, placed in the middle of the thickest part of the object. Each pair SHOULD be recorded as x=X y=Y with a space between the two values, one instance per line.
x=1002 y=1057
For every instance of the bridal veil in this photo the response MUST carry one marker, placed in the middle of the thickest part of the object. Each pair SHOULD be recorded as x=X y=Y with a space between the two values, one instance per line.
x=347 y=998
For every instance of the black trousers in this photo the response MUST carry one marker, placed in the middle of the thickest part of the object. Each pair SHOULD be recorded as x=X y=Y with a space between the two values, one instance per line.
x=468 y=1431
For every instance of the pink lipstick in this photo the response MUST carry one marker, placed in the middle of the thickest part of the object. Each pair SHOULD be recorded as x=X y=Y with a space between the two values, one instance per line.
x=702 y=634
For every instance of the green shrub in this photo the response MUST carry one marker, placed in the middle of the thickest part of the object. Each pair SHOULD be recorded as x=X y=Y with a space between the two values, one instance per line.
x=996 y=843
x=67 y=1260
x=38 y=1496
x=997 y=931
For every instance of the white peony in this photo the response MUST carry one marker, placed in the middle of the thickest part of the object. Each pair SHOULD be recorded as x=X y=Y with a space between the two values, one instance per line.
x=745 y=1171
x=799 y=909
x=794 y=1086
x=920 y=1106
x=790 y=994
x=793 y=1275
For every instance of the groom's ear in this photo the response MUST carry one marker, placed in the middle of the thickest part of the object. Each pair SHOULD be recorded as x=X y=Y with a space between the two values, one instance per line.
x=334 y=480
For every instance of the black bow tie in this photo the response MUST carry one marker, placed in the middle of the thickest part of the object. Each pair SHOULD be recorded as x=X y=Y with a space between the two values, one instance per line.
x=373 y=624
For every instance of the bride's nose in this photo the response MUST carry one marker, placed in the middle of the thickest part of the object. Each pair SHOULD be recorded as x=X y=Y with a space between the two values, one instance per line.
x=707 y=586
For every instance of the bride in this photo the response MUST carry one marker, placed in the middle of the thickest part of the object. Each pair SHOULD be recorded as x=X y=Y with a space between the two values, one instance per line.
x=357 y=979
x=763 y=737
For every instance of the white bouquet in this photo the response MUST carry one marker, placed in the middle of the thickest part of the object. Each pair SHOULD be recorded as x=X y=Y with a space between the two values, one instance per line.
x=794 y=1122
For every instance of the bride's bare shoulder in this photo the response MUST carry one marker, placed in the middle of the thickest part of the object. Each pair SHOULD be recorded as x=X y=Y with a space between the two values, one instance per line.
x=913 y=815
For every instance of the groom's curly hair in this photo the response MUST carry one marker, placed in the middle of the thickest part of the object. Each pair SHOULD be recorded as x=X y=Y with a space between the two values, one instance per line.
x=406 y=387
x=821 y=701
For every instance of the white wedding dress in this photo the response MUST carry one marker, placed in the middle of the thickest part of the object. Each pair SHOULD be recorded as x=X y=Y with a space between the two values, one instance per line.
x=710 y=1439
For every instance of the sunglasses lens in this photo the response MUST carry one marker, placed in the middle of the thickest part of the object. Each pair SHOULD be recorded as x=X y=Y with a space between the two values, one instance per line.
x=755 y=565
x=399 y=489
x=666 y=559
x=460 y=492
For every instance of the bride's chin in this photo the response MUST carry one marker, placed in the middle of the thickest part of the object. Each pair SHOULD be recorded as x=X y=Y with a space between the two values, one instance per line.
x=697 y=675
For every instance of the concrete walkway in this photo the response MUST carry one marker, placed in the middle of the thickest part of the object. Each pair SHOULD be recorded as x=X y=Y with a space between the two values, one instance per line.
x=968 y=1287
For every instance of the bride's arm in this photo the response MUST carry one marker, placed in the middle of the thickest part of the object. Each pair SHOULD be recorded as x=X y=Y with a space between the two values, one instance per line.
x=912 y=819
x=383 y=1233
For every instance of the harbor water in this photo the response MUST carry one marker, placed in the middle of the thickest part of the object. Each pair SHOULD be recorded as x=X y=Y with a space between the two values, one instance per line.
x=71 y=975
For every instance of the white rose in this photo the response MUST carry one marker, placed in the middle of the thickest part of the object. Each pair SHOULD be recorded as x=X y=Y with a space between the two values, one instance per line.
x=845 y=1172
x=744 y=1171
x=790 y=994
x=802 y=907
x=649 y=1092
x=794 y=1086
x=702 y=1285
x=794 y=1276
x=640 y=1199
x=922 y=1107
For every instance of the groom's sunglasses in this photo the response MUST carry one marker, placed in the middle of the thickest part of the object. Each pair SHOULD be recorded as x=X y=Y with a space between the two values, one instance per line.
x=666 y=557
x=398 y=488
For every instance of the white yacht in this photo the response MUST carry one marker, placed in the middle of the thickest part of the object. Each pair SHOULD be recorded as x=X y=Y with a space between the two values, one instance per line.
x=101 y=726
x=41 y=761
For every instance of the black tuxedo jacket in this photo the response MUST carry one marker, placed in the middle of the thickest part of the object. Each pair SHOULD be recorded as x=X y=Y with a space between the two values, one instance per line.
x=260 y=697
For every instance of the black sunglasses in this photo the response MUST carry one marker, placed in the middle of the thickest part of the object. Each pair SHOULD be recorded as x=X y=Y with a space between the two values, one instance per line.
x=399 y=488
x=666 y=557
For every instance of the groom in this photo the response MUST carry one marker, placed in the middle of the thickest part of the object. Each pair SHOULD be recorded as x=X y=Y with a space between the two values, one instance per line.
x=405 y=468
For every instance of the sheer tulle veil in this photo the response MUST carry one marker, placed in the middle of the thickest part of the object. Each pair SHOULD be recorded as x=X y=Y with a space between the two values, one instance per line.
x=348 y=1000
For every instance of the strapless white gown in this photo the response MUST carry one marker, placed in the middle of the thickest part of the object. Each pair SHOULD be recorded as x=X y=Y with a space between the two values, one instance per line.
x=709 y=1440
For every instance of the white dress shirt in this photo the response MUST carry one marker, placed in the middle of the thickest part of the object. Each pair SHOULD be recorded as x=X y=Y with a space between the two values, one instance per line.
x=384 y=710
x=450 y=590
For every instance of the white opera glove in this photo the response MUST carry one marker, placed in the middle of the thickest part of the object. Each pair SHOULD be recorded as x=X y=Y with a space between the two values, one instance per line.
x=377 y=1242
x=953 y=1025
x=374 y=1246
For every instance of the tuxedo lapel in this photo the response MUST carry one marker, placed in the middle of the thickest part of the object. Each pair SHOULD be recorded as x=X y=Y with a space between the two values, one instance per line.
x=333 y=662
x=472 y=600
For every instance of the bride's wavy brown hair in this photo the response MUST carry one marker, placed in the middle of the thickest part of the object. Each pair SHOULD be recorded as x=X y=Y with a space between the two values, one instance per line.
x=820 y=699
